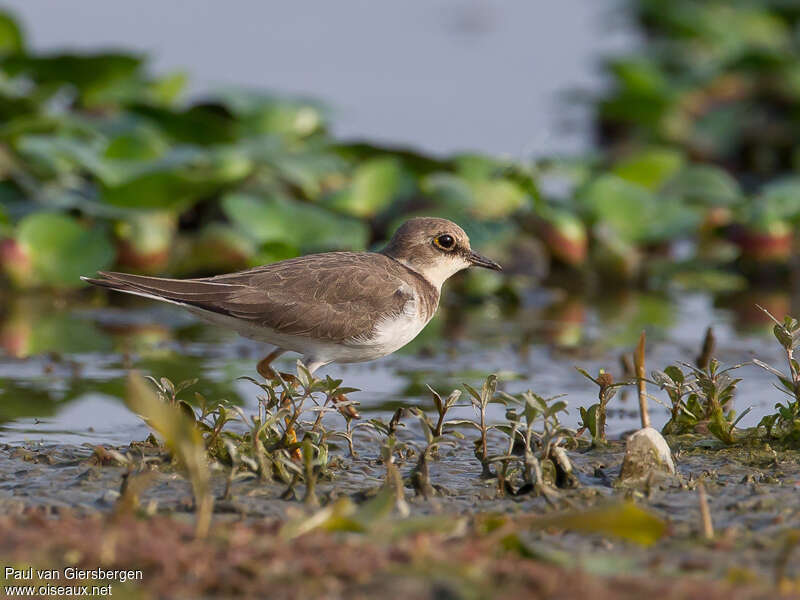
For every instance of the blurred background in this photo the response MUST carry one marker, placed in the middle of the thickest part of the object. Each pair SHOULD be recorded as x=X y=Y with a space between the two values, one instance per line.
x=631 y=163
x=442 y=76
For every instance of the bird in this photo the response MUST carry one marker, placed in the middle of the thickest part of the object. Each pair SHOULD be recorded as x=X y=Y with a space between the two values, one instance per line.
x=332 y=307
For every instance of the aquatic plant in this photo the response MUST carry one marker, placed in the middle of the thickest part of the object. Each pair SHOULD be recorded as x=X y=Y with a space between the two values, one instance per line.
x=715 y=388
x=109 y=166
x=701 y=396
x=785 y=423
x=594 y=418
x=550 y=465
x=183 y=439
x=685 y=408
x=480 y=402
x=705 y=79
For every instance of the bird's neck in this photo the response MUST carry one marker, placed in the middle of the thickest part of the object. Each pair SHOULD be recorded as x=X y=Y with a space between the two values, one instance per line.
x=433 y=272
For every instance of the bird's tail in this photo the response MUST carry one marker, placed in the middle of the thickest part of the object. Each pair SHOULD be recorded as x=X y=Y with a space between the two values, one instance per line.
x=201 y=293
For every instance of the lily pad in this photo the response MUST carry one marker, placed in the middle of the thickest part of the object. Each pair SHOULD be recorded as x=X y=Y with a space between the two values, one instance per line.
x=280 y=219
x=704 y=185
x=375 y=183
x=11 y=38
x=650 y=168
x=634 y=212
x=90 y=74
x=61 y=250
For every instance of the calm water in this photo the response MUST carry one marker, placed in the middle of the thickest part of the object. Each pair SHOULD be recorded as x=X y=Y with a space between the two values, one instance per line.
x=63 y=365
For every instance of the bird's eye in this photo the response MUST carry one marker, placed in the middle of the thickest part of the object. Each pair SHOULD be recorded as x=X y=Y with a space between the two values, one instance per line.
x=445 y=242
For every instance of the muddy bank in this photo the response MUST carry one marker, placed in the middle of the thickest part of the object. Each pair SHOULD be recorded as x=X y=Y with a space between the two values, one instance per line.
x=251 y=559
x=752 y=495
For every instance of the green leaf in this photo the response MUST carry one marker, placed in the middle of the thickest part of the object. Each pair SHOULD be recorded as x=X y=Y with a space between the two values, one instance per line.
x=61 y=249
x=174 y=181
x=624 y=206
x=375 y=182
x=589 y=418
x=138 y=144
x=90 y=74
x=781 y=199
x=675 y=373
x=704 y=185
x=634 y=212
x=279 y=219
x=11 y=39
x=650 y=168
x=626 y=521
x=202 y=124
x=480 y=198
x=260 y=113
x=496 y=198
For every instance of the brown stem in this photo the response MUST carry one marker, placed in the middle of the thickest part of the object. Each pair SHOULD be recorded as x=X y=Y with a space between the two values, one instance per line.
x=705 y=513
x=642 y=384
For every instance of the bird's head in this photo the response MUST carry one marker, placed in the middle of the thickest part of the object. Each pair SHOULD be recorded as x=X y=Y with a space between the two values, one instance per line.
x=435 y=248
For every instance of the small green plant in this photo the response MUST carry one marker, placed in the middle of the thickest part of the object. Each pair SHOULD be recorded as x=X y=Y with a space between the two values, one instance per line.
x=685 y=408
x=785 y=423
x=480 y=401
x=715 y=387
x=700 y=396
x=540 y=449
x=168 y=392
x=420 y=477
x=442 y=406
x=183 y=439
x=594 y=417
x=286 y=439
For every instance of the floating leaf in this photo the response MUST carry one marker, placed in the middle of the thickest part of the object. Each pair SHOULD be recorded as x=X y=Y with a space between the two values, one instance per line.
x=650 y=168
x=781 y=199
x=174 y=181
x=276 y=219
x=60 y=249
x=480 y=198
x=11 y=39
x=704 y=185
x=375 y=183
x=91 y=74
x=201 y=124
x=635 y=213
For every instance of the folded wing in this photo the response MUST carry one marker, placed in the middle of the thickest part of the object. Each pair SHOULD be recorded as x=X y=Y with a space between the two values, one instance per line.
x=334 y=296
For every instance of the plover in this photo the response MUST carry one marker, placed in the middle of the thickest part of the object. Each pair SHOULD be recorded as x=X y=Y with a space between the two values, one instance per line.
x=342 y=307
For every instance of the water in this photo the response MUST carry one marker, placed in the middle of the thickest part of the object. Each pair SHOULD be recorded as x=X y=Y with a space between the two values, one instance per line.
x=63 y=364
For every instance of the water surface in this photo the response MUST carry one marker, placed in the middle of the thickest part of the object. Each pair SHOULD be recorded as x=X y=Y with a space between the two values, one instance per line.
x=63 y=362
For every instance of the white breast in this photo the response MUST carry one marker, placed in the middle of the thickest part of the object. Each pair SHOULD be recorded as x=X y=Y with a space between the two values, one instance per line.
x=391 y=332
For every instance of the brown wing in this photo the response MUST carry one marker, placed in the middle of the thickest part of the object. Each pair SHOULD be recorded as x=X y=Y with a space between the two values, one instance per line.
x=334 y=296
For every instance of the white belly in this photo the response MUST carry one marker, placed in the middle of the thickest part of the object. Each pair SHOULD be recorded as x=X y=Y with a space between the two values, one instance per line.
x=390 y=334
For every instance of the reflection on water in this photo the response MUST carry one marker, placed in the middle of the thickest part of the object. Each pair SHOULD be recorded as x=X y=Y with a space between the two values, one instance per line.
x=63 y=363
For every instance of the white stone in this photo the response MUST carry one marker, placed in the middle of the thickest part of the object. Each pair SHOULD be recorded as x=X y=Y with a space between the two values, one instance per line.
x=646 y=451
